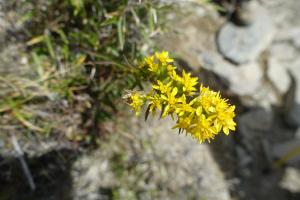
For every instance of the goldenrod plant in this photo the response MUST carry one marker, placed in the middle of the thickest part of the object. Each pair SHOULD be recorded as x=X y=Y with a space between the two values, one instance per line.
x=197 y=110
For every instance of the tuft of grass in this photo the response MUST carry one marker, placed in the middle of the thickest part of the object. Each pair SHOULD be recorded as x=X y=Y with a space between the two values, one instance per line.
x=82 y=54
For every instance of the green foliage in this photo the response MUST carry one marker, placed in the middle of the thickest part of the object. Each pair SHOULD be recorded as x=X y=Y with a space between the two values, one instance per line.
x=86 y=47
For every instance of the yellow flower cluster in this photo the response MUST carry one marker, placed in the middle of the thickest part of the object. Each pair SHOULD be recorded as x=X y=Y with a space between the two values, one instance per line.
x=201 y=115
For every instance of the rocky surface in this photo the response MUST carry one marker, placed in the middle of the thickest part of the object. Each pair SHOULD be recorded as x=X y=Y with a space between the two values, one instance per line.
x=285 y=49
x=170 y=166
x=258 y=64
x=257 y=67
x=278 y=75
x=243 y=80
x=241 y=44
x=291 y=179
x=156 y=163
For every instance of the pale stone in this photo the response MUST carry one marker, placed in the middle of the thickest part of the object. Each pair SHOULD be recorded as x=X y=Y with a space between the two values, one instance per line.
x=242 y=44
x=278 y=75
x=291 y=180
x=242 y=80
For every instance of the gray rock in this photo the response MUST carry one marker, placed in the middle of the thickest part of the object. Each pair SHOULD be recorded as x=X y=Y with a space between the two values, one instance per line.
x=292 y=98
x=242 y=80
x=283 y=52
x=147 y=163
x=296 y=38
x=287 y=152
x=243 y=157
x=245 y=13
x=244 y=44
x=194 y=32
x=264 y=97
x=292 y=117
x=267 y=152
x=297 y=135
x=278 y=75
x=291 y=180
x=247 y=80
x=256 y=120
x=291 y=36
x=251 y=126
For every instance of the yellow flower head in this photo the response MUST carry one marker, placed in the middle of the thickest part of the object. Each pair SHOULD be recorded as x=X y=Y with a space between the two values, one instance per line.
x=163 y=57
x=171 y=68
x=150 y=63
x=162 y=88
x=224 y=118
x=202 y=129
x=136 y=102
x=174 y=76
x=202 y=116
x=218 y=110
x=184 y=107
x=183 y=123
x=170 y=100
x=188 y=83
x=209 y=99
x=155 y=102
x=149 y=60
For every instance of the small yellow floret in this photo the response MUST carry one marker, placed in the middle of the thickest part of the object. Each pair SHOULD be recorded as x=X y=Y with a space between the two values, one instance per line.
x=136 y=102
x=162 y=88
x=170 y=100
x=155 y=102
x=188 y=83
x=163 y=57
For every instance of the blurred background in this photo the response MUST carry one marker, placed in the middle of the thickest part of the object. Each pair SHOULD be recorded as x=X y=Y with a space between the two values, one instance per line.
x=66 y=133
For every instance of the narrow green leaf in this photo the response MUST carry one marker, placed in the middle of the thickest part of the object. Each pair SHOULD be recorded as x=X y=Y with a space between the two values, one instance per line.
x=38 y=64
x=109 y=21
x=49 y=46
x=152 y=19
x=121 y=36
x=35 y=40
x=62 y=35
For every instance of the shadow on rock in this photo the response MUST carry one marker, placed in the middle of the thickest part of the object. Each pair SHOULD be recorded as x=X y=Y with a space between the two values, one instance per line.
x=247 y=156
x=51 y=174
